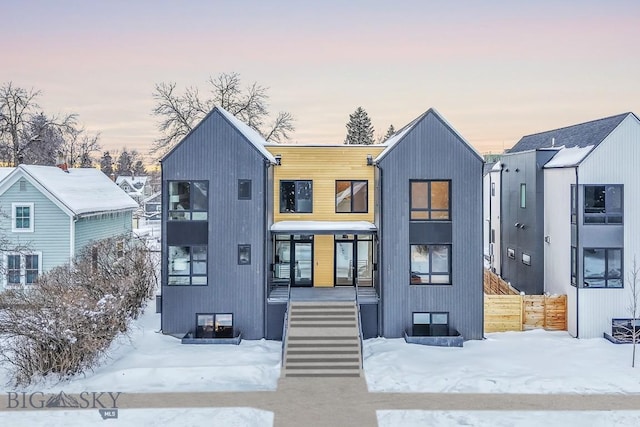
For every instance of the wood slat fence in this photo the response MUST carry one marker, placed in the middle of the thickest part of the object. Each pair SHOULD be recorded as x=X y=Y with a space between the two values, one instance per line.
x=506 y=310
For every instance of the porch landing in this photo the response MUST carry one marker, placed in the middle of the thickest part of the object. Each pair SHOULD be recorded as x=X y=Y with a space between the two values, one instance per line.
x=366 y=295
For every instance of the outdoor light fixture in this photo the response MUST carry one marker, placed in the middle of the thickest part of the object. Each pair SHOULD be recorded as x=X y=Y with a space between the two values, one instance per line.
x=278 y=158
x=369 y=160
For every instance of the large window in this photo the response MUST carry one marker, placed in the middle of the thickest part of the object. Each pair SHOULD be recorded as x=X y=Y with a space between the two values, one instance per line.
x=214 y=325
x=430 y=324
x=430 y=200
x=352 y=196
x=188 y=200
x=22 y=217
x=296 y=196
x=22 y=269
x=187 y=265
x=430 y=264
x=603 y=204
x=602 y=268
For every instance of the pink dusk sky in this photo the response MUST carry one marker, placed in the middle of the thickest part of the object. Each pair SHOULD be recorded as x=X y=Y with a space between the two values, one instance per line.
x=496 y=70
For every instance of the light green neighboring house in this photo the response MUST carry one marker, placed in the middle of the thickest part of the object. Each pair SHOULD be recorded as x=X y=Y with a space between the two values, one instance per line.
x=55 y=213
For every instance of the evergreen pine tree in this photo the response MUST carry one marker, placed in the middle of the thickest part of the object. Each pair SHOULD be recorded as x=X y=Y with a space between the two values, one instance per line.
x=359 y=128
x=389 y=133
x=106 y=164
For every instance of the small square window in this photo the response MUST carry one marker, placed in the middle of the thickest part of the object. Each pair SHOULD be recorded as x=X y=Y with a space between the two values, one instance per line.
x=526 y=259
x=244 y=254
x=22 y=217
x=511 y=253
x=244 y=189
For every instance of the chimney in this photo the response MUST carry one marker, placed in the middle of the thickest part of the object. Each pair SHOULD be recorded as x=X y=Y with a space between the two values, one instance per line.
x=61 y=163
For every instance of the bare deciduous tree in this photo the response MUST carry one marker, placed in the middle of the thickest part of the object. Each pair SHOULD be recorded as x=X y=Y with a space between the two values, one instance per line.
x=632 y=331
x=27 y=133
x=180 y=113
x=79 y=147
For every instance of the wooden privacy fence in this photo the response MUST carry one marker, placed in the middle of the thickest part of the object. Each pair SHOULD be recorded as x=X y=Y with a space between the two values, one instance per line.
x=506 y=310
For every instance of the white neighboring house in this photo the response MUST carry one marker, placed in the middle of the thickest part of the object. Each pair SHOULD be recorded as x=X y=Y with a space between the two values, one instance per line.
x=54 y=213
x=587 y=190
x=137 y=187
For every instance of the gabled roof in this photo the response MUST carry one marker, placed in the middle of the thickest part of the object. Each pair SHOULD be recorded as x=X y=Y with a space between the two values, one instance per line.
x=392 y=141
x=131 y=179
x=81 y=191
x=253 y=137
x=152 y=197
x=580 y=135
x=4 y=172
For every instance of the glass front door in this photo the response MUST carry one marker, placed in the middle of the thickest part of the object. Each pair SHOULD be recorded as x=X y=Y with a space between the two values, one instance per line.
x=353 y=260
x=344 y=264
x=302 y=271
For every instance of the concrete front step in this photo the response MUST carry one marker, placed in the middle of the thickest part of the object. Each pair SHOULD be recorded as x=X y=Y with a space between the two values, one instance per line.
x=323 y=340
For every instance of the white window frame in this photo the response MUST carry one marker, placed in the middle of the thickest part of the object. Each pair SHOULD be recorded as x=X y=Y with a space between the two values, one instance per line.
x=15 y=229
x=23 y=270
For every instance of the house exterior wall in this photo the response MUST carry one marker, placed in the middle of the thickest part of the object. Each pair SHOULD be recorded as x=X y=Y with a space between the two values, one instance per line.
x=494 y=221
x=324 y=165
x=522 y=228
x=431 y=150
x=558 y=228
x=614 y=161
x=217 y=152
x=51 y=234
x=102 y=226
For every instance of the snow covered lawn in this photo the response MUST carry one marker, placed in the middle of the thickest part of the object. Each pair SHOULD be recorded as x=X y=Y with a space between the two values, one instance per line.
x=509 y=362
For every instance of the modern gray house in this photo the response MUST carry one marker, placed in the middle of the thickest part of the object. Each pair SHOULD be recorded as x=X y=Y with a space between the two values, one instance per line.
x=249 y=227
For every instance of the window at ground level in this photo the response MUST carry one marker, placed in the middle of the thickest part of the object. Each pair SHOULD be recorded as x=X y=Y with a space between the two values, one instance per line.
x=430 y=324
x=187 y=265
x=22 y=214
x=188 y=200
x=214 y=325
x=430 y=264
x=296 y=196
x=352 y=196
x=603 y=268
x=430 y=200
x=603 y=204
x=22 y=269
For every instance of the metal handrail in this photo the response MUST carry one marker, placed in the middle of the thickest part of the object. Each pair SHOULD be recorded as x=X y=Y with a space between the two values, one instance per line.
x=360 y=336
x=285 y=325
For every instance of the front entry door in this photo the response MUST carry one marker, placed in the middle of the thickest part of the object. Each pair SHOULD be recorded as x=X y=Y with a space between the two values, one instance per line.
x=344 y=263
x=302 y=264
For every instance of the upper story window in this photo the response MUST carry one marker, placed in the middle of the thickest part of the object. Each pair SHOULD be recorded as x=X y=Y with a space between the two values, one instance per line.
x=352 y=196
x=523 y=196
x=187 y=265
x=430 y=200
x=296 y=196
x=602 y=267
x=188 y=200
x=244 y=189
x=22 y=217
x=430 y=264
x=603 y=204
x=574 y=204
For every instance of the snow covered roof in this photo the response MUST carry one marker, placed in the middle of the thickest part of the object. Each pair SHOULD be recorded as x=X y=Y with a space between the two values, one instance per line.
x=251 y=135
x=81 y=191
x=568 y=157
x=131 y=179
x=323 y=227
x=152 y=197
x=4 y=172
x=399 y=135
x=580 y=135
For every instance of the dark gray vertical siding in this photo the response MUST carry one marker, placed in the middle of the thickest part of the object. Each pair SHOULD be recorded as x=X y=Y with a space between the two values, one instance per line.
x=524 y=168
x=432 y=151
x=217 y=152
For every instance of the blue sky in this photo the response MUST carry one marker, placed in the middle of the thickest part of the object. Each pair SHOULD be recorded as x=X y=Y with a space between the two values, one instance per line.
x=497 y=70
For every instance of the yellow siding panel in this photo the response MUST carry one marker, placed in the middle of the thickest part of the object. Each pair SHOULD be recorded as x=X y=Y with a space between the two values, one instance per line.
x=323 y=260
x=324 y=165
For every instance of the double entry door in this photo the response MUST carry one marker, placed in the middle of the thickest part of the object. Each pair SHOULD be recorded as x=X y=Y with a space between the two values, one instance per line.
x=353 y=260
x=294 y=259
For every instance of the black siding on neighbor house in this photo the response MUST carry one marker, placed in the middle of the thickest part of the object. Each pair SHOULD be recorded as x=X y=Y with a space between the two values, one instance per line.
x=431 y=150
x=528 y=236
x=216 y=152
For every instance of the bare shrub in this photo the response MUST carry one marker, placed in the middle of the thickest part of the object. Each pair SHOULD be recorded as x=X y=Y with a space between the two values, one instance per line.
x=66 y=321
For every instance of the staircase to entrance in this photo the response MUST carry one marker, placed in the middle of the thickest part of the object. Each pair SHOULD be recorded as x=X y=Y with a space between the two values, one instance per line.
x=323 y=339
